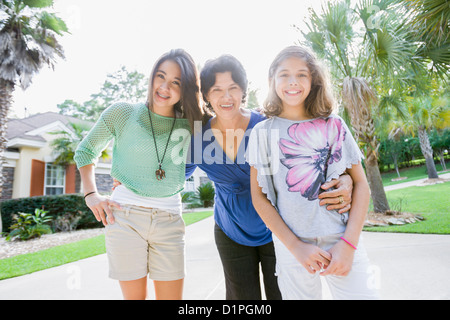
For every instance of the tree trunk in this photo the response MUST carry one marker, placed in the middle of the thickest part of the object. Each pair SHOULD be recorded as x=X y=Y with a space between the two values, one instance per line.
x=377 y=193
x=6 y=90
x=395 y=157
x=364 y=129
x=427 y=151
x=442 y=160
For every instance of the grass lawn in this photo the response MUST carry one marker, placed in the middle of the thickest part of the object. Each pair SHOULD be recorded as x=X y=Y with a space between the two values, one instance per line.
x=59 y=255
x=414 y=173
x=52 y=257
x=432 y=202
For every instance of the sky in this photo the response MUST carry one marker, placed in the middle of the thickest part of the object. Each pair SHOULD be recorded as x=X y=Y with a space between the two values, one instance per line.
x=107 y=34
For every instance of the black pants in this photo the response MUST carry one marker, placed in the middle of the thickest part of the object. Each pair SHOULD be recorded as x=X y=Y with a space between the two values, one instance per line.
x=241 y=269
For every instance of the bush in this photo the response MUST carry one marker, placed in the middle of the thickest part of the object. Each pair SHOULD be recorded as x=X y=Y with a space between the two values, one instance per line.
x=69 y=221
x=56 y=206
x=28 y=226
x=187 y=197
x=190 y=200
x=205 y=194
x=203 y=197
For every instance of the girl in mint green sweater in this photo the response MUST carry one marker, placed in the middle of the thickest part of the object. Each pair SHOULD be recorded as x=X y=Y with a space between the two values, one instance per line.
x=144 y=229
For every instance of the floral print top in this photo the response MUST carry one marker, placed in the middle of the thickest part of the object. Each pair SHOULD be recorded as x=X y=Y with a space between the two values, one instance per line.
x=293 y=159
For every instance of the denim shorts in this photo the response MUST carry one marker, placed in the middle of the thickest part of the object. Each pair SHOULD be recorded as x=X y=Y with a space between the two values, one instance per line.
x=145 y=241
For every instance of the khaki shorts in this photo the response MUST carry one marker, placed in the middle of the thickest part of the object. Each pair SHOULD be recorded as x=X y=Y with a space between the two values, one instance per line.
x=145 y=241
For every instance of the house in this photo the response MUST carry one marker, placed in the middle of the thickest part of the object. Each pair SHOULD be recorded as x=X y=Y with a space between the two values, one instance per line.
x=29 y=169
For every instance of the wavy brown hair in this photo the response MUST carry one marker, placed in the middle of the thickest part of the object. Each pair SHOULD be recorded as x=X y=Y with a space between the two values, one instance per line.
x=320 y=101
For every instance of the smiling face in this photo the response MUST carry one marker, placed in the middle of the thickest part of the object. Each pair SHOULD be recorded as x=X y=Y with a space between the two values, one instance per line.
x=225 y=96
x=292 y=81
x=166 y=88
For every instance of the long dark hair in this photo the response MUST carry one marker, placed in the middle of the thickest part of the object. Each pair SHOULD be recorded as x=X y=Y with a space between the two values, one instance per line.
x=189 y=104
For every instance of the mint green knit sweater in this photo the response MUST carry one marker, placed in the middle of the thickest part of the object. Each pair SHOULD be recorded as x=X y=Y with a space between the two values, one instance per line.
x=134 y=159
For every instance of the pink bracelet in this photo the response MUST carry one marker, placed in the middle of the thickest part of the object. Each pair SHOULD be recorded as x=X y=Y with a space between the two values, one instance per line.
x=349 y=243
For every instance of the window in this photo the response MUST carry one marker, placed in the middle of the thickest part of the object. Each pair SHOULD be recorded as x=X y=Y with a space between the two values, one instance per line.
x=190 y=185
x=54 y=179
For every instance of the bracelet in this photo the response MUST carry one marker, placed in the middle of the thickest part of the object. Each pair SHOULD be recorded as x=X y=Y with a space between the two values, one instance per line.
x=349 y=243
x=87 y=194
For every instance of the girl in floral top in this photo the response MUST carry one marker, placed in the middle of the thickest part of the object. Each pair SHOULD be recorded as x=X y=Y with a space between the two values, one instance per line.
x=299 y=147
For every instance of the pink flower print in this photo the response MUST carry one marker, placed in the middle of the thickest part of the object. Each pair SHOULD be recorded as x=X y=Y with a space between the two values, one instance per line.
x=313 y=143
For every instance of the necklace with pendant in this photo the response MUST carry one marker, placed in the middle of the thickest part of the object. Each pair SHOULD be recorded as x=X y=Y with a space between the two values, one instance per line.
x=160 y=173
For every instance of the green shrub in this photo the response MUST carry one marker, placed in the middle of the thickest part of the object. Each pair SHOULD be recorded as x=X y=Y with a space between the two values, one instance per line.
x=205 y=194
x=28 y=226
x=187 y=197
x=56 y=206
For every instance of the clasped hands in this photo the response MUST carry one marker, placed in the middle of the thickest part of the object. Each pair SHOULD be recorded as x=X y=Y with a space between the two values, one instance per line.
x=338 y=260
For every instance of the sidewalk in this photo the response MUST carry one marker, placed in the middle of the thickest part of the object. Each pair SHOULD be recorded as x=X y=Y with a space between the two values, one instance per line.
x=405 y=266
x=413 y=183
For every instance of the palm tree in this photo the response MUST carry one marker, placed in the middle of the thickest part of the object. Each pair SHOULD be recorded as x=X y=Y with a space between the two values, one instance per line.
x=65 y=145
x=440 y=141
x=423 y=114
x=428 y=21
x=206 y=193
x=359 y=62
x=28 y=41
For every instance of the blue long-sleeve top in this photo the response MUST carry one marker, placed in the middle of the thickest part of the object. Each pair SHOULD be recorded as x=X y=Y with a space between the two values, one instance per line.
x=233 y=210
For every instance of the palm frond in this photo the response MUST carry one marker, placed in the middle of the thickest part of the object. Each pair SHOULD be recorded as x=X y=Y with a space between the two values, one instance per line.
x=28 y=39
x=49 y=21
x=392 y=102
x=429 y=22
x=359 y=97
x=38 y=3
x=430 y=18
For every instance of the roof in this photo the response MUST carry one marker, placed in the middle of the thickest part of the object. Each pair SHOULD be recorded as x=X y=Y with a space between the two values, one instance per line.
x=28 y=128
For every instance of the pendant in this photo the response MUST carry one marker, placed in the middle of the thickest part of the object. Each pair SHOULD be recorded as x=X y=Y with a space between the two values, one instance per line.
x=160 y=174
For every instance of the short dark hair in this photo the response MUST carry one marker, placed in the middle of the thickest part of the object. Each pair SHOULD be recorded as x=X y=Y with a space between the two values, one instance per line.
x=224 y=63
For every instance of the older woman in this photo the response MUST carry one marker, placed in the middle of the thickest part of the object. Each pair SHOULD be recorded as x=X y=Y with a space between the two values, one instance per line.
x=242 y=239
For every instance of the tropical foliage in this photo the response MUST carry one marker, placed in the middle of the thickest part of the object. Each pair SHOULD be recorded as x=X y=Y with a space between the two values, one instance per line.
x=66 y=143
x=380 y=65
x=206 y=194
x=28 y=41
x=440 y=142
x=428 y=22
x=203 y=197
x=422 y=115
x=28 y=226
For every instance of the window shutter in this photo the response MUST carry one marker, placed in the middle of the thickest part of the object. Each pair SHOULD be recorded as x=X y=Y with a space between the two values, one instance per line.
x=70 y=178
x=37 y=178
